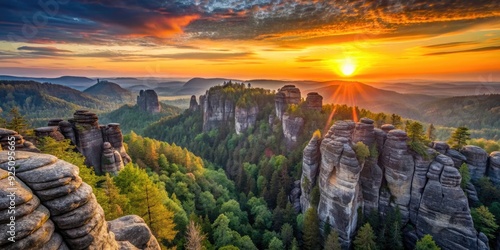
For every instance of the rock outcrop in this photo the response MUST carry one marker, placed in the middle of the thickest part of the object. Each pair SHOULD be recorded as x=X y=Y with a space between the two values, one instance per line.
x=245 y=118
x=90 y=138
x=494 y=168
x=292 y=128
x=426 y=189
x=218 y=109
x=55 y=209
x=193 y=104
x=314 y=101
x=9 y=138
x=147 y=100
x=289 y=94
x=310 y=169
x=476 y=159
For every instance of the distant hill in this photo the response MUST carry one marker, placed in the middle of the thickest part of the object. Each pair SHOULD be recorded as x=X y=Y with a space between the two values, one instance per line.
x=40 y=101
x=443 y=89
x=476 y=112
x=198 y=86
x=373 y=99
x=131 y=118
x=110 y=91
x=76 y=82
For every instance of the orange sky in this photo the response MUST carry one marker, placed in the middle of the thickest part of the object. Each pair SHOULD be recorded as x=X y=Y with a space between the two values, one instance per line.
x=461 y=43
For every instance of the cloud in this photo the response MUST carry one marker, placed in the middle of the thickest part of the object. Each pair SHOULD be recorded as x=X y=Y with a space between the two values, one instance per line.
x=43 y=51
x=490 y=48
x=449 y=45
x=215 y=56
x=155 y=22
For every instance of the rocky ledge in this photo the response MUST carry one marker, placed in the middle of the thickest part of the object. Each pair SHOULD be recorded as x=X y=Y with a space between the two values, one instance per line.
x=55 y=209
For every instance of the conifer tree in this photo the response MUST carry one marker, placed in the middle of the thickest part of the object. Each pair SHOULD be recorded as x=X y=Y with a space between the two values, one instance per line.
x=194 y=236
x=332 y=241
x=17 y=122
x=112 y=202
x=365 y=239
x=459 y=138
x=311 y=230
x=426 y=243
x=431 y=132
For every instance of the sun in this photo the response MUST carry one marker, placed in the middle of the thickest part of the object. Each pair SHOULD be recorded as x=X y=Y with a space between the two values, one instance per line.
x=347 y=67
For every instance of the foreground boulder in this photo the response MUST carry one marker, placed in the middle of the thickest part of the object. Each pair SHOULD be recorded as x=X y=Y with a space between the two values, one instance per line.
x=55 y=209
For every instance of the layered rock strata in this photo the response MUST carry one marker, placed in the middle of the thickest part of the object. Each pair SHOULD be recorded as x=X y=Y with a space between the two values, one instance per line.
x=102 y=146
x=425 y=189
x=56 y=210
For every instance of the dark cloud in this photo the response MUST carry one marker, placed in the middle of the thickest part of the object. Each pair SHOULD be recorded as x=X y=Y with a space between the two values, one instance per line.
x=490 y=48
x=449 y=45
x=206 y=56
x=154 y=22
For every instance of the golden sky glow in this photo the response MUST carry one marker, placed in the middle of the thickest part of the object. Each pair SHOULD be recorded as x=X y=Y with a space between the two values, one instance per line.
x=461 y=43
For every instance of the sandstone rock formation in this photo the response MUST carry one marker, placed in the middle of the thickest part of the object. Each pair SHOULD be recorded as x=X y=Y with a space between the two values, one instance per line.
x=89 y=137
x=56 y=210
x=426 y=189
x=292 y=128
x=8 y=136
x=289 y=94
x=147 y=100
x=218 y=109
x=245 y=118
x=476 y=159
x=494 y=168
x=193 y=104
x=314 y=101
x=310 y=169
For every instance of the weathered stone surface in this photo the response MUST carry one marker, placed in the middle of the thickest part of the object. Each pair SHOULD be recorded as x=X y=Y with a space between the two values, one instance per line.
x=111 y=160
x=288 y=94
x=422 y=165
x=440 y=146
x=494 y=168
x=340 y=191
x=147 y=100
x=12 y=138
x=372 y=174
x=89 y=137
x=310 y=168
x=314 y=101
x=52 y=131
x=193 y=104
x=456 y=156
x=54 y=122
x=33 y=228
x=245 y=118
x=114 y=135
x=444 y=210
x=292 y=128
x=387 y=127
x=295 y=196
x=477 y=160
x=399 y=167
x=218 y=109
x=133 y=229
x=70 y=217
x=426 y=189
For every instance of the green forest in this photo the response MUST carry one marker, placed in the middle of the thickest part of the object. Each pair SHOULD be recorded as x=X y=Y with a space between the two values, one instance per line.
x=220 y=190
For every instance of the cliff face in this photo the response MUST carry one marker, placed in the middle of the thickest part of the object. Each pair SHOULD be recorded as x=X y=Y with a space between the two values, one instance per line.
x=218 y=109
x=289 y=94
x=292 y=128
x=314 y=101
x=56 y=210
x=245 y=118
x=426 y=190
x=102 y=146
x=148 y=101
x=193 y=104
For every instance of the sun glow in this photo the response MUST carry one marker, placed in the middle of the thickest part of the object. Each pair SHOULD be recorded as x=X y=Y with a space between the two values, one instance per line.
x=347 y=67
